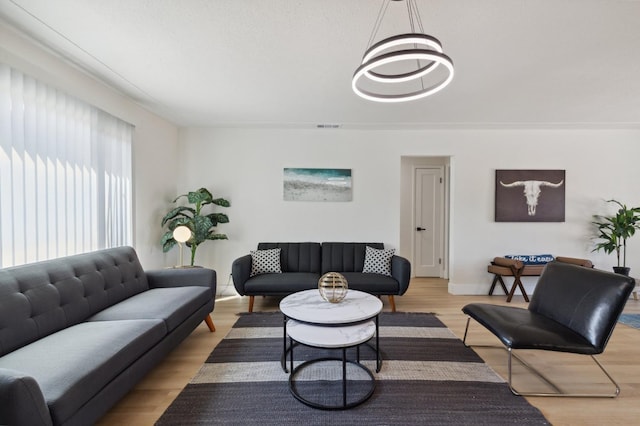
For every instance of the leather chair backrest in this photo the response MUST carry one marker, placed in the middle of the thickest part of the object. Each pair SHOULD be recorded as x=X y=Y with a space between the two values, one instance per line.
x=588 y=301
x=296 y=257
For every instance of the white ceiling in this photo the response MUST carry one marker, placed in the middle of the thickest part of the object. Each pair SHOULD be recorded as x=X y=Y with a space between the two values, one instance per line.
x=289 y=62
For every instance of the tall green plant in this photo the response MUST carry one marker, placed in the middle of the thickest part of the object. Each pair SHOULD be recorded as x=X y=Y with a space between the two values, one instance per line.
x=202 y=226
x=613 y=231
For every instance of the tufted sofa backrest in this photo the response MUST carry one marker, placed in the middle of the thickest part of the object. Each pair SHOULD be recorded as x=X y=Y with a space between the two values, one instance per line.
x=345 y=257
x=296 y=257
x=41 y=298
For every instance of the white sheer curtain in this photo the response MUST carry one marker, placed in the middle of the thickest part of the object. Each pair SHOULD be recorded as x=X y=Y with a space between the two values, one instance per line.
x=65 y=173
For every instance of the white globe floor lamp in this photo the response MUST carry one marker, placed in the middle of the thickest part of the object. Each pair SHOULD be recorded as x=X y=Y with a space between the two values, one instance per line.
x=181 y=234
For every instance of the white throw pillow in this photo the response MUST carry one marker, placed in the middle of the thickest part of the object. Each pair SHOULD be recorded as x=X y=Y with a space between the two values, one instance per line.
x=378 y=261
x=265 y=262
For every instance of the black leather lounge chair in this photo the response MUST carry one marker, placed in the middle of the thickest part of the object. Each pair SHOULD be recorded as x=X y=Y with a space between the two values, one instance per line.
x=573 y=309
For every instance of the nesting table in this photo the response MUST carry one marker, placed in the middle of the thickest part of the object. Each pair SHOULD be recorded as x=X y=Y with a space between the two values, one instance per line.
x=311 y=321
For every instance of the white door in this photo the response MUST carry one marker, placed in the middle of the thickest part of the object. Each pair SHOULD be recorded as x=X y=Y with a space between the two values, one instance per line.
x=428 y=241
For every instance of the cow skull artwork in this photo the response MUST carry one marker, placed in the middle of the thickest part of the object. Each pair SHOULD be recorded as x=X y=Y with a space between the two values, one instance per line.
x=532 y=190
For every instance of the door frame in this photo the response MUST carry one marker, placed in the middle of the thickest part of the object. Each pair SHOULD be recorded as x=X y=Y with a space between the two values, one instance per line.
x=408 y=166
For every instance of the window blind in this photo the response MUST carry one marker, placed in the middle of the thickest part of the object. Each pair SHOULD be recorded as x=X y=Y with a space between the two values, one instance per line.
x=65 y=173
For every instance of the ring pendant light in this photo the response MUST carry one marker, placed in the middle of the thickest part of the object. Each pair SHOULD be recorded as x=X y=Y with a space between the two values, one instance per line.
x=416 y=48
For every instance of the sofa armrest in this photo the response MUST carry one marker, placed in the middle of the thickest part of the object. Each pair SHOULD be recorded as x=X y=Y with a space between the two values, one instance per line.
x=241 y=271
x=21 y=400
x=182 y=277
x=401 y=271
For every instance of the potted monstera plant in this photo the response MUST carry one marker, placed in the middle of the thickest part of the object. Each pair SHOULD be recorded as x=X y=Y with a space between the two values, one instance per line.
x=201 y=225
x=614 y=231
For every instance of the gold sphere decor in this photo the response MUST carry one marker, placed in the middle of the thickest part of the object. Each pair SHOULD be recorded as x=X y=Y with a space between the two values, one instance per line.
x=333 y=287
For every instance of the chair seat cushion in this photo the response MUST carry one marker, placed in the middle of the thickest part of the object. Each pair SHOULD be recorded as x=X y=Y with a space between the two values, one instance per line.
x=372 y=283
x=520 y=328
x=280 y=284
x=171 y=304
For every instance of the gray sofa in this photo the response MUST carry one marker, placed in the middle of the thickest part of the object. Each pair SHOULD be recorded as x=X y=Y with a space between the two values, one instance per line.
x=303 y=264
x=77 y=333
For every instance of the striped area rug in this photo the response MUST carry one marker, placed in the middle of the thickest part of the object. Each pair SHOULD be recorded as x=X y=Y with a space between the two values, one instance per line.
x=428 y=377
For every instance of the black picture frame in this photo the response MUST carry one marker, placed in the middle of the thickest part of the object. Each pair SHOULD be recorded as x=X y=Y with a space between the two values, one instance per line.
x=530 y=195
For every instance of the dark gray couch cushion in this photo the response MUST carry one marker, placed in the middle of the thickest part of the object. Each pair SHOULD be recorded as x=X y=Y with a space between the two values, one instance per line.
x=371 y=283
x=41 y=298
x=281 y=284
x=172 y=305
x=72 y=365
x=345 y=257
x=296 y=257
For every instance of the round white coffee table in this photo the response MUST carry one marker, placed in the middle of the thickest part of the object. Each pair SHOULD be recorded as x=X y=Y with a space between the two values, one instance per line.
x=312 y=321
x=308 y=306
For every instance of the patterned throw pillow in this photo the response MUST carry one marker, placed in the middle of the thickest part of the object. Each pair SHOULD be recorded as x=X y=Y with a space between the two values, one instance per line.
x=265 y=262
x=378 y=261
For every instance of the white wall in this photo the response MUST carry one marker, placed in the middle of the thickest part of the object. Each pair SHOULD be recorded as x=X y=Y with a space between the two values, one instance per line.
x=245 y=166
x=155 y=139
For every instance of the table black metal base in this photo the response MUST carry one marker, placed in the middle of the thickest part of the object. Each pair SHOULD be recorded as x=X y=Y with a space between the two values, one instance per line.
x=346 y=404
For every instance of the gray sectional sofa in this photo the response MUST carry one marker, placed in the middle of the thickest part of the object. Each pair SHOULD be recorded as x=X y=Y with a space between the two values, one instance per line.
x=77 y=333
x=302 y=265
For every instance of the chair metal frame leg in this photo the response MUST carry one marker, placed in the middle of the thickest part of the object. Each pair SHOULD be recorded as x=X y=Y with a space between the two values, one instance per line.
x=558 y=392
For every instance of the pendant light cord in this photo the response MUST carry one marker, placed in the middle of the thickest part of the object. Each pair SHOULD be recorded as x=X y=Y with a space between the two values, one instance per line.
x=376 y=26
x=414 y=15
x=416 y=12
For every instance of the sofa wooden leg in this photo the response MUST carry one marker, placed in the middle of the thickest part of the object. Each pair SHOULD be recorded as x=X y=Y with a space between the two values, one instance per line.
x=393 y=303
x=251 y=300
x=209 y=322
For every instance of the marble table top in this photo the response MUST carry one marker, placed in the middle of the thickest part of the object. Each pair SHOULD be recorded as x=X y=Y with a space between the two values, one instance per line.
x=330 y=337
x=308 y=306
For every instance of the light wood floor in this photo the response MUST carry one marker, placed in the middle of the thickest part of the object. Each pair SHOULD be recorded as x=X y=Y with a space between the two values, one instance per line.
x=145 y=404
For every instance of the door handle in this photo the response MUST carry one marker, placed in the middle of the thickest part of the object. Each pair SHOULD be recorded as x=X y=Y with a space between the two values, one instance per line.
x=419 y=228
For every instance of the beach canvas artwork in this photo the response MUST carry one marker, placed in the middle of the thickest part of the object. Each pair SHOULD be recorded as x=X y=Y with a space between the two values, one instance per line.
x=317 y=184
